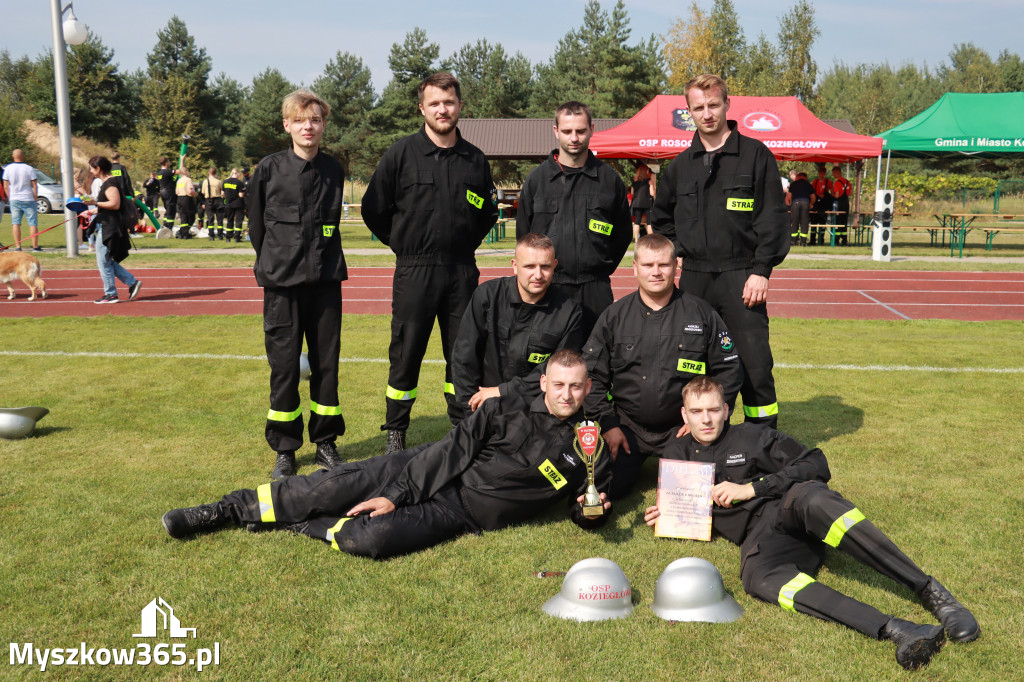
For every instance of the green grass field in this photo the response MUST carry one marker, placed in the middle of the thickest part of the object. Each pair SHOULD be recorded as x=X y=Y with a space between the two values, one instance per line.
x=931 y=455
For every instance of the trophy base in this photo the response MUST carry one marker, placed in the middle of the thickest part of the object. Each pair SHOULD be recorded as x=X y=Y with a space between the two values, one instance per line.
x=591 y=511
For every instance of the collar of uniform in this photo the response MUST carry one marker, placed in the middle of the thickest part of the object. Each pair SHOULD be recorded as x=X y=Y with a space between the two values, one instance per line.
x=589 y=168
x=301 y=162
x=731 y=146
x=427 y=146
x=538 y=405
x=513 y=297
x=676 y=295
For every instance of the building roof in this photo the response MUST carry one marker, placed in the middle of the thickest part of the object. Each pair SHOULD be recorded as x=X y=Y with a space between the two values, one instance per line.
x=840 y=124
x=518 y=138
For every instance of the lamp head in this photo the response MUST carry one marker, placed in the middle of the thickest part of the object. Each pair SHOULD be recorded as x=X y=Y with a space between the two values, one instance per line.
x=75 y=32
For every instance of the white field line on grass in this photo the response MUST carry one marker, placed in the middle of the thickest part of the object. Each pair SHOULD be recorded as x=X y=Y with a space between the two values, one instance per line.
x=211 y=356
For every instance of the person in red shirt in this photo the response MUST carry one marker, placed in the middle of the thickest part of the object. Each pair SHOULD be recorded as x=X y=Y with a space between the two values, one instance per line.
x=822 y=204
x=841 y=202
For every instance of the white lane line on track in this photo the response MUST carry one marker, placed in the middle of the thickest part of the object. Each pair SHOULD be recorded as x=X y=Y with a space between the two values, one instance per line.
x=876 y=301
x=212 y=356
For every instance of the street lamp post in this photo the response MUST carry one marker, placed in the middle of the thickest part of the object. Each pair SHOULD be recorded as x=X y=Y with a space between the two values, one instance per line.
x=75 y=33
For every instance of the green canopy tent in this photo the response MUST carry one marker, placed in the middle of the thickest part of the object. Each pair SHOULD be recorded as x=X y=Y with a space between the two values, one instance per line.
x=983 y=126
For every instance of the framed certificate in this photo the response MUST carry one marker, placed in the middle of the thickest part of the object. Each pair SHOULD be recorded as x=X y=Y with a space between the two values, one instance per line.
x=684 y=499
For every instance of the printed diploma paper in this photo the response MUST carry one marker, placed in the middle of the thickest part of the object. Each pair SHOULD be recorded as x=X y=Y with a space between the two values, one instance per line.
x=684 y=499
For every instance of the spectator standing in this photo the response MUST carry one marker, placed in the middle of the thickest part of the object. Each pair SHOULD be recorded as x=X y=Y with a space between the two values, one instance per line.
x=823 y=204
x=151 y=188
x=167 y=191
x=644 y=190
x=234 y=204
x=213 y=193
x=22 y=190
x=186 y=196
x=722 y=203
x=841 y=201
x=432 y=200
x=580 y=203
x=800 y=199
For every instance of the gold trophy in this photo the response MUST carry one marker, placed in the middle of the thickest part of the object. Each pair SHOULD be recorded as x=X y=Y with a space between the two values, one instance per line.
x=588 y=446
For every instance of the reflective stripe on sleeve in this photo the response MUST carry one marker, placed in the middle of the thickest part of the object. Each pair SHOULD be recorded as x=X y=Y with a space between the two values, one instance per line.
x=276 y=416
x=761 y=410
x=324 y=410
x=267 y=514
x=839 y=527
x=788 y=592
x=334 y=529
x=396 y=394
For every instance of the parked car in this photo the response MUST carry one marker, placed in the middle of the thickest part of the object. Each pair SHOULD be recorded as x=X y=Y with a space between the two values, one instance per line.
x=49 y=192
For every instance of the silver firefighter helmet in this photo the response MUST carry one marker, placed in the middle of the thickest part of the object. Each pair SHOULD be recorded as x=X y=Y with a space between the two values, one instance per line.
x=593 y=589
x=691 y=589
x=19 y=422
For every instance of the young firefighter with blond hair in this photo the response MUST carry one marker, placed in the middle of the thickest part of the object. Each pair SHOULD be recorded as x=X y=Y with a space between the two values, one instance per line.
x=295 y=199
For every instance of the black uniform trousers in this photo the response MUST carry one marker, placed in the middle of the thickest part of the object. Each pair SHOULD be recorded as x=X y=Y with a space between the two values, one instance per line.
x=170 y=208
x=312 y=311
x=187 y=213
x=842 y=205
x=749 y=329
x=643 y=443
x=799 y=219
x=593 y=297
x=233 y=223
x=317 y=503
x=214 y=211
x=151 y=201
x=785 y=548
x=420 y=294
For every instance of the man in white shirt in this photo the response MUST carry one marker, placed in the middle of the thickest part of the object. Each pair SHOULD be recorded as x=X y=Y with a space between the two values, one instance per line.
x=23 y=191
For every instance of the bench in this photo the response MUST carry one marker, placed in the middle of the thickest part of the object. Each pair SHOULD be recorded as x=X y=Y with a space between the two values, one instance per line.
x=991 y=232
x=497 y=232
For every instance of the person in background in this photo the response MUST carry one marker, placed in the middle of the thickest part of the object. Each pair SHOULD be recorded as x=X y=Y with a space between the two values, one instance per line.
x=644 y=191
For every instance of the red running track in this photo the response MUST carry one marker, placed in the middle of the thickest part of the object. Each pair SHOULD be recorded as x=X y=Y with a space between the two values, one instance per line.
x=828 y=294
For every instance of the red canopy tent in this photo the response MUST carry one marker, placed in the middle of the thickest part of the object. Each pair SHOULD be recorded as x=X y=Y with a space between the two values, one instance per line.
x=664 y=128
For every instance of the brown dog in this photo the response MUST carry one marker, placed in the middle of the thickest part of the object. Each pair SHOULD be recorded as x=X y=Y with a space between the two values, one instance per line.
x=25 y=267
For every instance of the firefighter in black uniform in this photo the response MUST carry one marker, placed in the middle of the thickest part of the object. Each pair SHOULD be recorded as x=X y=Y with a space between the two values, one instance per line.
x=722 y=203
x=510 y=328
x=645 y=347
x=580 y=203
x=771 y=497
x=432 y=201
x=295 y=205
x=504 y=464
x=152 y=189
x=234 y=206
x=167 y=191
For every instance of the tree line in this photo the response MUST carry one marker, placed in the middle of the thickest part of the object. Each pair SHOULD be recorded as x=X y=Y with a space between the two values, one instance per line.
x=144 y=113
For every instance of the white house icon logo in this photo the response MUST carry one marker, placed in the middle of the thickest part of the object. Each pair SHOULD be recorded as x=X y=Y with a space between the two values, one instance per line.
x=158 y=611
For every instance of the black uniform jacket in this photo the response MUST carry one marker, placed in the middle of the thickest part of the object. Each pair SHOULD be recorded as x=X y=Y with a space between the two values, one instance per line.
x=729 y=214
x=151 y=186
x=643 y=358
x=585 y=214
x=752 y=453
x=294 y=208
x=233 y=189
x=167 y=181
x=510 y=459
x=505 y=342
x=431 y=205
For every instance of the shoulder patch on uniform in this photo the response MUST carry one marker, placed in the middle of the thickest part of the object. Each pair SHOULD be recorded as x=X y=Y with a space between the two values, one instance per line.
x=725 y=340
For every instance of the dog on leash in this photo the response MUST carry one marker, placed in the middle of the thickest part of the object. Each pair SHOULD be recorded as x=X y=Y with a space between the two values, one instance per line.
x=25 y=267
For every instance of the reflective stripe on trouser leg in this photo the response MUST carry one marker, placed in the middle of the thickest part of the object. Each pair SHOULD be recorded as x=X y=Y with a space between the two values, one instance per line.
x=841 y=525
x=788 y=592
x=335 y=529
x=449 y=388
x=279 y=416
x=324 y=410
x=755 y=411
x=266 y=501
x=398 y=394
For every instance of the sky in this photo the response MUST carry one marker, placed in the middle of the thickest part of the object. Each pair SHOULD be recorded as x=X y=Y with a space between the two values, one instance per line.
x=244 y=38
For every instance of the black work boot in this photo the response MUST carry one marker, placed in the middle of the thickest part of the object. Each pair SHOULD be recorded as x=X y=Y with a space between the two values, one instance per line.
x=396 y=441
x=327 y=456
x=285 y=465
x=181 y=523
x=915 y=644
x=958 y=622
